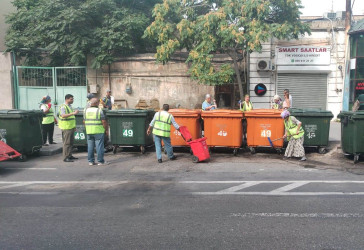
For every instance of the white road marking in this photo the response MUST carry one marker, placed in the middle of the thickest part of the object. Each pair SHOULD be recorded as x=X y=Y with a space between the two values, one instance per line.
x=31 y=193
x=302 y=215
x=234 y=190
x=14 y=185
x=289 y=187
x=279 y=194
x=31 y=168
x=239 y=187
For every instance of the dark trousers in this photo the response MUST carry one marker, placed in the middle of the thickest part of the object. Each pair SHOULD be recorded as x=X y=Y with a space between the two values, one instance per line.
x=68 y=136
x=47 y=132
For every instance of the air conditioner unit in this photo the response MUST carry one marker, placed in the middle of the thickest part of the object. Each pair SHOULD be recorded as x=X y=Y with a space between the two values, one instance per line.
x=330 y=15
x=340 y=15
x=264 y=65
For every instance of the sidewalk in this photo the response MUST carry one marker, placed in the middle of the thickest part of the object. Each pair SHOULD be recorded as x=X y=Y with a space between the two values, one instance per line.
x=53 y=149
x=335 y=132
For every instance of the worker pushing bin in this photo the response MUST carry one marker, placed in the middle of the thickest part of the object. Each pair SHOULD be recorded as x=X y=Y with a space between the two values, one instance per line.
x=352 y=133
x=316 y=124
x=21 y=130
x=128 y=126
x=187 y=118
x=223 y=128
x=263 y=124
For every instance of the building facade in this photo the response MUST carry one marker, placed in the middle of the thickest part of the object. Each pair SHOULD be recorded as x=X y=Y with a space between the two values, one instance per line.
x=312 y=68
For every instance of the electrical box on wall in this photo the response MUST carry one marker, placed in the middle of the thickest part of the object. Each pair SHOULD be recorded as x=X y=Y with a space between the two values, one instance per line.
x=94 y=88
x=264 y=65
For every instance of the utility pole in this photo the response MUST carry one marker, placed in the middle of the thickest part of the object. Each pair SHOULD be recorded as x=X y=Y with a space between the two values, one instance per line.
x=346 y=91
x=348 y=16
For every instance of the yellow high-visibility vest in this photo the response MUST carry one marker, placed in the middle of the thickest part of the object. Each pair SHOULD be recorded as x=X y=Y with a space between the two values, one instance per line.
x=162 y=125
x=69 y=122
x=93 y=122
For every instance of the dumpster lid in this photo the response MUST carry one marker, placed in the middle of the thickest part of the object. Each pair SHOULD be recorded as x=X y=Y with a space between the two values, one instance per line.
x=353 y=114
x=18 y=113
x=222 y=113
x=263 y=113
x=130 y=112
x=310 y=112
x=185 y=112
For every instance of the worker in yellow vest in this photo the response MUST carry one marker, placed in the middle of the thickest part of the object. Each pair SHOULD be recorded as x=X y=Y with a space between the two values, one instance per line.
x=96 y=128
x=67 y=123
x=48 y=120
x=246 y=105
x=295 y=135
x=161 y=125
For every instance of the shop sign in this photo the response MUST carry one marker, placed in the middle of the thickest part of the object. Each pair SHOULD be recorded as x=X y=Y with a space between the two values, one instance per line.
x=359 y=86
x=260 y=89
x=303 y=55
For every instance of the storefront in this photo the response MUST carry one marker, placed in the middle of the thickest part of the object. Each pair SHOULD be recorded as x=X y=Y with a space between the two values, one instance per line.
x=304 y=71
x=356 y=62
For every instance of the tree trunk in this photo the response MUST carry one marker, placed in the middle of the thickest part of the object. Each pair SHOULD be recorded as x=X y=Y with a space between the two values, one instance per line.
x=237 y=73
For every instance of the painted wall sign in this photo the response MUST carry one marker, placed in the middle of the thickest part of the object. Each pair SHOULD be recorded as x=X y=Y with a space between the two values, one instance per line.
x=260 y=89
x=303 y=55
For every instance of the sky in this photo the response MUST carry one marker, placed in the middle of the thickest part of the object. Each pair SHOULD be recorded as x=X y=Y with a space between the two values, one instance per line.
x=318 y=7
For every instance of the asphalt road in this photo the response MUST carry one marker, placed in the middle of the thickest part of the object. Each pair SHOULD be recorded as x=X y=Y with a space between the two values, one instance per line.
x=244 y=202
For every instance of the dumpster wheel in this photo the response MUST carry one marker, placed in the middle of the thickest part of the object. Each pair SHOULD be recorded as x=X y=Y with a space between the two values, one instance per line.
x=322 y=150
x=23 y=158
x=235 y=151
x=356 y=159
x=142 y=149
x=252 y=150
x=194 y=159
x=114 y=149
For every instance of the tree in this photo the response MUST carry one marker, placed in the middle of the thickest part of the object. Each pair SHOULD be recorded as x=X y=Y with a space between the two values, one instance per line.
x=234 y=27
x=69 y=31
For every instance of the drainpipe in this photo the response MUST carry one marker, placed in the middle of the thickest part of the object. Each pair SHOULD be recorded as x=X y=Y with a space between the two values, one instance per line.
x=109 y=73
x=15 y=81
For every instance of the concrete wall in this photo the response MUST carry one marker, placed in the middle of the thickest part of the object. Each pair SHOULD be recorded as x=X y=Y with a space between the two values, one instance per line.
x=321 y=35
x=6 y=94
x=168 y=83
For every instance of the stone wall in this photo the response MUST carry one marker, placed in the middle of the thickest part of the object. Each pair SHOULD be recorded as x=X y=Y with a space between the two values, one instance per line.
x=169 y=83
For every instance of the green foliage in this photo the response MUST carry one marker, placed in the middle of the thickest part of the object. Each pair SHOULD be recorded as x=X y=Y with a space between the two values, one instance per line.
x=207 y=27
x=70 y=30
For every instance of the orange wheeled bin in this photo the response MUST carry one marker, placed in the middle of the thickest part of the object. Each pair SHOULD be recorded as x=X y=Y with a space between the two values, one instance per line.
x=189 y=118
x=223 y=128
x=261 y=124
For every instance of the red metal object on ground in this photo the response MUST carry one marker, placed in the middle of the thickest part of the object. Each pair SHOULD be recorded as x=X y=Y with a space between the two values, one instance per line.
x=199 y=147
x=7 y=153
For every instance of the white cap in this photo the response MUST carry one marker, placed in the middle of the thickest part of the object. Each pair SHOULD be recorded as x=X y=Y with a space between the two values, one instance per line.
x=276 y=97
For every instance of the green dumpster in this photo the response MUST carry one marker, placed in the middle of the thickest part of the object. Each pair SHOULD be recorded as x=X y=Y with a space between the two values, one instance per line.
x=352 y=133
x=128 y=128
x=22 y=130
x=316 y=124
x=80 y=132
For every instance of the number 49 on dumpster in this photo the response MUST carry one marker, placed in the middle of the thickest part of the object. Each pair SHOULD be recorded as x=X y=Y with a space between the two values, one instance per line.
x=128 y=133
x=266 y=133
